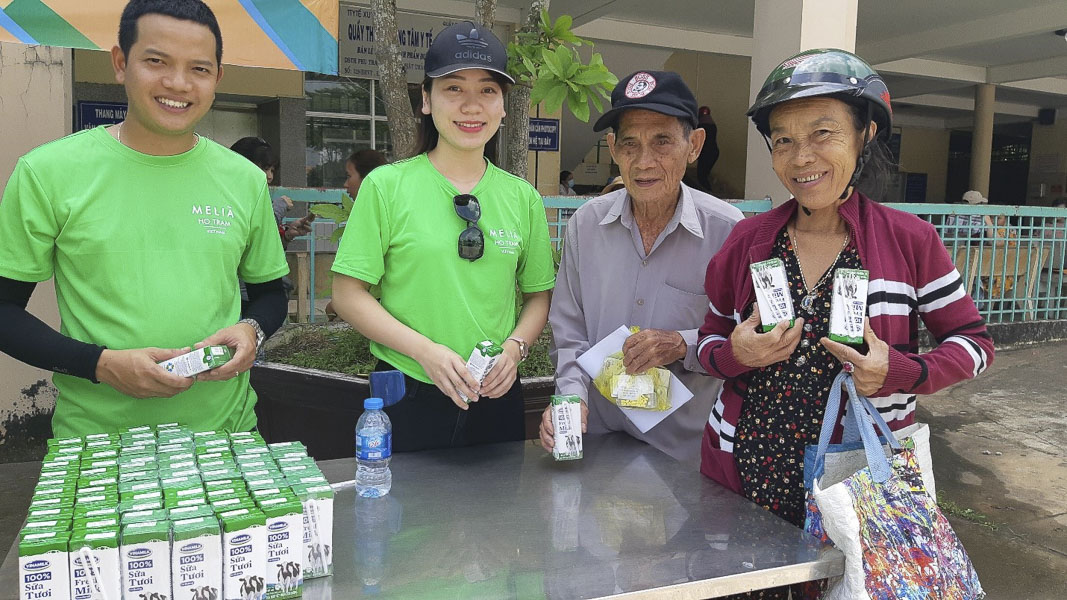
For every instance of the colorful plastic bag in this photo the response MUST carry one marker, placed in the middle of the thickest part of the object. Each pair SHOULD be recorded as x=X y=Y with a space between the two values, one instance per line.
x=896 y=542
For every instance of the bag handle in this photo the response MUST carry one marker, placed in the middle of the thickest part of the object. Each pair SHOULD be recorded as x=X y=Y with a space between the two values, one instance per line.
x=859 y=406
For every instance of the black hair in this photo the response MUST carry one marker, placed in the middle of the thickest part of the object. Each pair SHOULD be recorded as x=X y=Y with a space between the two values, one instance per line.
x=256 y=150
x=878 y=165
x=186 y=10
x=366 y=160
x=563 y=176
x=1060 y=202
x=428 y=135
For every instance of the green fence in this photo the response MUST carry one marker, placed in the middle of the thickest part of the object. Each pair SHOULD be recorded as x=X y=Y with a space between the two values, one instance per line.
x=1014 y=270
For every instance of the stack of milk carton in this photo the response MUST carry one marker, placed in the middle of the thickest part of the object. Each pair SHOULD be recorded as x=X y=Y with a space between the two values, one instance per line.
x=162 y=512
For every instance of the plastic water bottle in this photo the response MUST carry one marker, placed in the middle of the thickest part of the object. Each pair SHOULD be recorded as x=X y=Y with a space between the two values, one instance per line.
x=374 y=446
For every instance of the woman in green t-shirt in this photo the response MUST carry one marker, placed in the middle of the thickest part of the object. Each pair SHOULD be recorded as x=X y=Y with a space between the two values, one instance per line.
x=450 y=239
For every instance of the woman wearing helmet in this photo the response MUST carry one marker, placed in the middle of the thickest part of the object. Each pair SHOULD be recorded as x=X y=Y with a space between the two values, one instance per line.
x=825 y=115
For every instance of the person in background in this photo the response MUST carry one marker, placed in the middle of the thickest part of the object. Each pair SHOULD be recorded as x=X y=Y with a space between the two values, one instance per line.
x=145 y=236
x=968 y=229
x=452 y=240
x=566 y=183
x=615 y=184
x=628 y=259
x=359 y=164
x=261 y=154
x=825 y=115
x=709 y=154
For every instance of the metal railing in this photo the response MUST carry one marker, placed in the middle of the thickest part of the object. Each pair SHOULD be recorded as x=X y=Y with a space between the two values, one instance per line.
x=1014 y=271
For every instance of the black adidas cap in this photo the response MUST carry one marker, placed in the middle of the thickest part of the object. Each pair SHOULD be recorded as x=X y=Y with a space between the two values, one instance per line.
x=466 y=46
x=660 y=91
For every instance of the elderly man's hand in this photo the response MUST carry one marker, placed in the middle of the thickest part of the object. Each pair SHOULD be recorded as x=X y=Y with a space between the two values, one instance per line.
x=754 y=349
x=652 y=348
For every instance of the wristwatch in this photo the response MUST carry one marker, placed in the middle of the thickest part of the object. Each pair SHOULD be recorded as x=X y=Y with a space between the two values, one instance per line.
x=524 y=348
x=260 y=336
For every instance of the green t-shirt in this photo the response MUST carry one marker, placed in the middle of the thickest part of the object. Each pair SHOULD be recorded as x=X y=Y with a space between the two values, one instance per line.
x=403 y=234
x=145 y=251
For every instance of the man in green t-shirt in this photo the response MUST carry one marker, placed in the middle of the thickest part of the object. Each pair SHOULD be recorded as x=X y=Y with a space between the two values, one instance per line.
x=145 y=228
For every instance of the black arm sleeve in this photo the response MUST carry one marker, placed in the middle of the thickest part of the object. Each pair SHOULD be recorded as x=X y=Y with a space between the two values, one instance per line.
x=26 y=338
x=268 y=304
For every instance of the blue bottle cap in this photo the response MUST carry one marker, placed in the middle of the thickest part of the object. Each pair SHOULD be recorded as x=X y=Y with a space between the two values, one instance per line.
x=372 y=403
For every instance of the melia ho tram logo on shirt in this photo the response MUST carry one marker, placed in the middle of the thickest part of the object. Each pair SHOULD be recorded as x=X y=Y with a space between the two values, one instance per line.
x=214 y=219
x=506 y=240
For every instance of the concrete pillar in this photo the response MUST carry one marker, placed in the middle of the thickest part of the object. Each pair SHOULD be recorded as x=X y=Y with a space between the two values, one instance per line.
x=982 y=140
x=35 y=107
x=283 y=123
x=781 y=28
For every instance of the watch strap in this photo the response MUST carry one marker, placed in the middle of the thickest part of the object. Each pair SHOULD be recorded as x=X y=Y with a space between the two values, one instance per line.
x=524 y=347
x=260 y=336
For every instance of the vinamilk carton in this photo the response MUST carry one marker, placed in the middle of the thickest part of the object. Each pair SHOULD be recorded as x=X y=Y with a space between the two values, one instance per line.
x=145 y=550
x=198 y=361
x=772 y=293
x=285 y=545
x=244 y=554
x=94 y=564
x=196 y=557
x=482 y=360
x=44 y=566
x=318 y=528
x=567 y=421
x=849 y=306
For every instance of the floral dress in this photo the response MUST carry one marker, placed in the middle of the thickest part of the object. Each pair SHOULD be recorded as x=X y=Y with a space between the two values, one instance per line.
x=785 y=401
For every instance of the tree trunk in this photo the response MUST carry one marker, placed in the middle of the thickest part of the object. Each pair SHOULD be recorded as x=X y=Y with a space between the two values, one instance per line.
x=518 y=119
x=485 y=13
x=392 y=77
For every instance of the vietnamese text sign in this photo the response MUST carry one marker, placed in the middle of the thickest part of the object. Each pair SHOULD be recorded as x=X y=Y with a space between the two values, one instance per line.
x=356 y=44
x=93 y=114
x=544 y=135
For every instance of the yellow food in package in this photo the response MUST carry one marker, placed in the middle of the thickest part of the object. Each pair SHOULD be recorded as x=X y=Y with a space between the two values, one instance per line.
x=647 y=391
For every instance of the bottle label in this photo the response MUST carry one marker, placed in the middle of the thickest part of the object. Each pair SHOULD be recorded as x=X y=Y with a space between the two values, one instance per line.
x=374 y=446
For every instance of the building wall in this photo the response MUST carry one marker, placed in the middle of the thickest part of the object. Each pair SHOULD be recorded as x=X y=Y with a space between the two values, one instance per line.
x=35 y=101
x=925 y=150
x=720 y=82
x=1048 y=161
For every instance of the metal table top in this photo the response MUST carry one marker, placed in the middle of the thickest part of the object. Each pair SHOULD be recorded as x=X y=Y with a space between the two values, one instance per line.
x=507 y=521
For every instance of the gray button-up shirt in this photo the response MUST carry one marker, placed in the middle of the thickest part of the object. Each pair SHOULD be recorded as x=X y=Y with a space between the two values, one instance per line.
x=606 y=280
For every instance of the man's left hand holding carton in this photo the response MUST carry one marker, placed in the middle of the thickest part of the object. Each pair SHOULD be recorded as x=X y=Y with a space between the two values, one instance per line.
x=145 y=227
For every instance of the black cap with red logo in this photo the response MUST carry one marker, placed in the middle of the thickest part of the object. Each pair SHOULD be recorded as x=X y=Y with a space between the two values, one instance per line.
x=659 y=91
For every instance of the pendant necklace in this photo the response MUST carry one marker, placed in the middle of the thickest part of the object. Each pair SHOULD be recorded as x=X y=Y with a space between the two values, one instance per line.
x=807 y=303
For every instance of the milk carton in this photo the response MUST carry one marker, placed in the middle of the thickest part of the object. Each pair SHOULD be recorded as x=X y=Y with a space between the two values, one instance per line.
x=772 y=293
x=94 y=564
x=146 y=561
x=285 y=545
x=198 y=361
x=318 y=528
x=44 y=566
x=482 y=360
x=849 y=306
x=567 y=421
x=196 y=557
x=244 y=554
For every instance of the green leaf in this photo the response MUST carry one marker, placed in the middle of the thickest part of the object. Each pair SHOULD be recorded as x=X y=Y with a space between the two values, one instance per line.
x=578 y=107
x=529 y=64
x=546 y=21
x=562 y=26
x=596 y=60
x=337 y=233
x=541 y=89
x=591 y=77
x=330 y=211
x=346 y=203
x=551 y=61
x=555 y=97
x=596 y=102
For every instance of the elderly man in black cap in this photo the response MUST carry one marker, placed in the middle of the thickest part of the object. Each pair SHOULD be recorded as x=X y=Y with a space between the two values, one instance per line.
x=637 y=256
